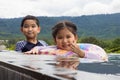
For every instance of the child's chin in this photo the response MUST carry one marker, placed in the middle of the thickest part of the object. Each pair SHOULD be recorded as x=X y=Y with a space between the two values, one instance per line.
x=65 y=48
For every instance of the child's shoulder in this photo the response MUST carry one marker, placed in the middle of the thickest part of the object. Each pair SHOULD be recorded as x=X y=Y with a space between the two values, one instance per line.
x=43 y=42
x=21 y=42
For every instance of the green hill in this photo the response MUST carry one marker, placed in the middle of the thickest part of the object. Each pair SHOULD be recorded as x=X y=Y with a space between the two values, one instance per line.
x=105 y=26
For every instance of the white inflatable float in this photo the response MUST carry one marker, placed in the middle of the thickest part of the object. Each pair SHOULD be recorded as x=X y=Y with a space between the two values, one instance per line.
x=92 y=51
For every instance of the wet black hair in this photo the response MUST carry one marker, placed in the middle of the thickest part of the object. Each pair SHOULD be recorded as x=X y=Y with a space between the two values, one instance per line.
x=30 y=17
x=64 y=24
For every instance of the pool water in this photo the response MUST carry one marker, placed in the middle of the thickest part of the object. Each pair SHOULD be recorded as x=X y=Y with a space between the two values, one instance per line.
x=110 y=67
x=86 y=69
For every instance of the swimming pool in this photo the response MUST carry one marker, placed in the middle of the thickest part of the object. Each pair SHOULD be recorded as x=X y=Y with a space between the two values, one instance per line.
x=107 y=70
x=44 y=67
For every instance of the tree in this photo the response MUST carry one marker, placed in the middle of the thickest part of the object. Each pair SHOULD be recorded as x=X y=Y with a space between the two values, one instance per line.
x=116 y=43
x=92 y=40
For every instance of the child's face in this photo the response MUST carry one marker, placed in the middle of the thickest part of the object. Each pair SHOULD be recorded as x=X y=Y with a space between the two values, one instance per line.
x=30 y=29
x=65 y=38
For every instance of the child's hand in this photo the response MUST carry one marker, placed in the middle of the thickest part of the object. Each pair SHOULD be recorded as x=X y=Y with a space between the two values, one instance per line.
x=75 y=48
x=33 y=51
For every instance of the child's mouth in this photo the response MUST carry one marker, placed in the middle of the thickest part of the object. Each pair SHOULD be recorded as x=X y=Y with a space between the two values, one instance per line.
x=30 y=33
x=65 y=46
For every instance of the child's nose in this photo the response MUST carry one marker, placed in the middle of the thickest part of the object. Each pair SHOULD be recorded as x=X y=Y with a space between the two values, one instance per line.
x=30 y=28
x=64 y=40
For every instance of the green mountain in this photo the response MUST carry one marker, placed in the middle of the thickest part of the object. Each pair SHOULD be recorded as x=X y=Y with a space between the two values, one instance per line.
x=105 y=26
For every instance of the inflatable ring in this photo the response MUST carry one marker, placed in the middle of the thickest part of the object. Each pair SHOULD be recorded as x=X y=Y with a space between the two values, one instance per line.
x=92 y=51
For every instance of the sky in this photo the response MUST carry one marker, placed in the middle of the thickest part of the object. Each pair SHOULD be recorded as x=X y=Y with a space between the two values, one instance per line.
x=21 y=8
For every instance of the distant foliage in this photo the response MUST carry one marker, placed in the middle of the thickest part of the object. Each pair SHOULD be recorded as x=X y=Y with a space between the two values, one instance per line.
x=108 y=45
x=92 y=40
x=99 y=26
x=102 y=30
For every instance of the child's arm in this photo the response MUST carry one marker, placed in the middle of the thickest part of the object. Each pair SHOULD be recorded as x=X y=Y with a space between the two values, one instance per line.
x=43 y=43
x=20 y=45
x=34 y=50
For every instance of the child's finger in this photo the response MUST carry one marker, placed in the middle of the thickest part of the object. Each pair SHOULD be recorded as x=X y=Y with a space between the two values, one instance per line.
x=28 y=52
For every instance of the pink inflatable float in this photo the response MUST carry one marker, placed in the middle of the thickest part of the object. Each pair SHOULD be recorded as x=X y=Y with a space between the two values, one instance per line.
x=91 y=51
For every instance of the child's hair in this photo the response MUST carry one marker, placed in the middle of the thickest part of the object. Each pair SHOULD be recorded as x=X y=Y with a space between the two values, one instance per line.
x=29 y=17
x=64 y=24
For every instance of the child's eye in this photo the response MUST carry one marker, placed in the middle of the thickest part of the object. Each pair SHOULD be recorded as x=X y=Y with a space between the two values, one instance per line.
x=33 y=26
x=26 y=26
x=59 y=37
x=68 y=36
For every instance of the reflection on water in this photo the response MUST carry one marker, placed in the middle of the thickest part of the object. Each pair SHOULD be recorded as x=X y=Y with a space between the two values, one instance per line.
x=106 y=70
x=70 y=63
x=110 y=67
x=66 y=68
x=115 y=58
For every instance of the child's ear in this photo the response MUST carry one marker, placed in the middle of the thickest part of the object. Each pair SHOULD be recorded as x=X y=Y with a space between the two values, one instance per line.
x=54 y=40
x=39 y=29
x=21 y=29
x=76 y=38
